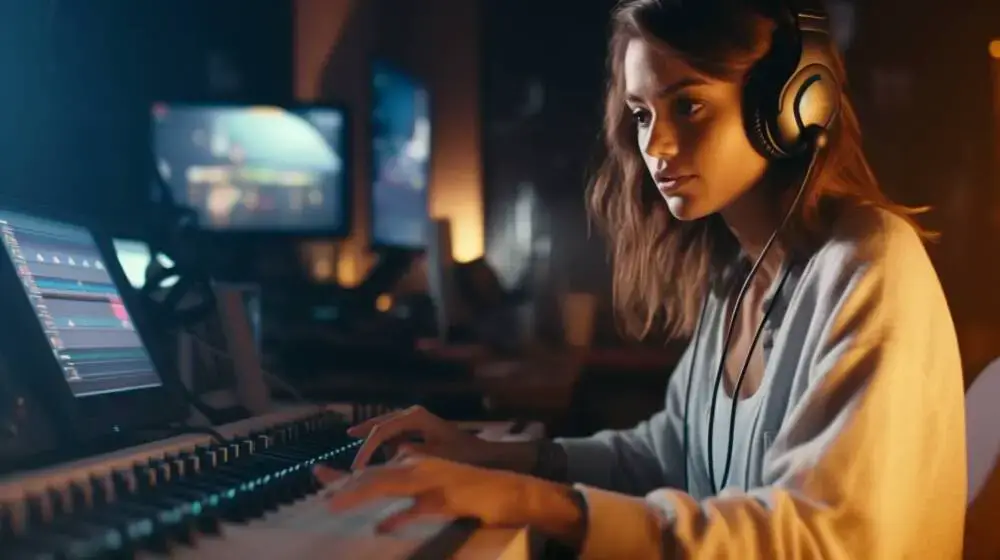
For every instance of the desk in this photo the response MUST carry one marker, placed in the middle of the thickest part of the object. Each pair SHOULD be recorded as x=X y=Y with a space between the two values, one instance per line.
x=540 y=386
x=538 y=389
x=501 y=544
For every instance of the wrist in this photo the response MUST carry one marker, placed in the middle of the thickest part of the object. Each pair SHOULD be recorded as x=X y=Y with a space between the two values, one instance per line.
x=559 y=512
x=519 y=457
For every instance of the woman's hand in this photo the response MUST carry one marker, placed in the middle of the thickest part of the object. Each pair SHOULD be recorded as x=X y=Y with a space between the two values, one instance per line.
x=438 y=438
x=442 y=487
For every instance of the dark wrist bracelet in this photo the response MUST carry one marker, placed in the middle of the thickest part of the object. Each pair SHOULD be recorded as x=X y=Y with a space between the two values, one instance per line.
x=581 y=503
x=569 y=544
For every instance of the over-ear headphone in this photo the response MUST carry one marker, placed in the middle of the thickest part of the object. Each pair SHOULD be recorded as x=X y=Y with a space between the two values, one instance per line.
x=791 y=99
x=190 y=298
x=794 y=86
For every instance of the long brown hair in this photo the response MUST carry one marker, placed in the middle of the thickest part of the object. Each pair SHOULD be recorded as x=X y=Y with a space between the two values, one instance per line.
x=662 y=266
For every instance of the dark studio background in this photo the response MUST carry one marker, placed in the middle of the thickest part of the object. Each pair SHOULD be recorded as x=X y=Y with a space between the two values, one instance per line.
x=80 y=75
x=516 y=90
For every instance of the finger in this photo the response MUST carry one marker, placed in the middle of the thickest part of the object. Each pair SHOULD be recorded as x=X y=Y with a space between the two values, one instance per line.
x=428 y=503
x=407 y=450
x=378 y=482
x=326 y=475
x=368 y=448
x=364 y=428
x=361 y=430
x=414 y=419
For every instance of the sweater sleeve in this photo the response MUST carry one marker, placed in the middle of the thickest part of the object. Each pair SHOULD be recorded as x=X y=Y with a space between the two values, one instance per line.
x=640 y=459
x=870 y=463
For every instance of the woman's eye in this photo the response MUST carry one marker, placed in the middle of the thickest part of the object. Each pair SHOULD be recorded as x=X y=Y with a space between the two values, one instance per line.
x=688 y=108
x=641 y=117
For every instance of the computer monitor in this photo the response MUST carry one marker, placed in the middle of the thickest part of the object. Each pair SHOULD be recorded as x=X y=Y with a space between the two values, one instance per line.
x=401 y=150
x=254 y=168
x=77 y=306
x=135 y=257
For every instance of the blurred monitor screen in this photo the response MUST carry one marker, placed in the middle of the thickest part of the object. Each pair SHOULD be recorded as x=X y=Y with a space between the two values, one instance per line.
x=401 y=149
x=255 y=168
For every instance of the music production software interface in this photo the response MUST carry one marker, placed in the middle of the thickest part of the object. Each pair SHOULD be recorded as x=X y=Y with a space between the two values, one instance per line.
x=248 y=168
x=78 y=306
x=401 y=149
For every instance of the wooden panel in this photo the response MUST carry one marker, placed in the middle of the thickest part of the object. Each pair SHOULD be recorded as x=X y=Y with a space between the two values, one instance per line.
x=437 y=40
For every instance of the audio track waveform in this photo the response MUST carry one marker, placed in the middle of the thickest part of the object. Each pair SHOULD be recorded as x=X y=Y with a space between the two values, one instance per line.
x=75 y=286
x=63 y=258
x=92 y=323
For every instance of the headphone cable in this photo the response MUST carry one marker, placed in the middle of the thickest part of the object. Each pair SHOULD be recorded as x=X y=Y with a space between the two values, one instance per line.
x=817 y=139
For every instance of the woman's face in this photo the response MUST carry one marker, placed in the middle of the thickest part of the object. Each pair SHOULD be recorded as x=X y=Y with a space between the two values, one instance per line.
x=690 y=131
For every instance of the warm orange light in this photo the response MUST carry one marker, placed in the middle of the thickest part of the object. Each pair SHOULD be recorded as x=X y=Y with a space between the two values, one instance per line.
x=467 y=243
x=323 y=269
x=320 y=261
x=995 y=48
x=383 y=303
x=349 y=267
x=266 y=110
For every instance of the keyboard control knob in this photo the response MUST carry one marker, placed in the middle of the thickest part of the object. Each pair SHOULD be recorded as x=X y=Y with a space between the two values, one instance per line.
x=120 y=484
x=98 y=491
x=35 y=511
x=77 y=497
x=57 y=503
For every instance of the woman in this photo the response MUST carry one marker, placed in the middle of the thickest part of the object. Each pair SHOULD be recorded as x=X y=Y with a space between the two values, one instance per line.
x=818 y=411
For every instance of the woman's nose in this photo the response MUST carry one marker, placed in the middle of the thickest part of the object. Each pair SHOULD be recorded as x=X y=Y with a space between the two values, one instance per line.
x=662 y=141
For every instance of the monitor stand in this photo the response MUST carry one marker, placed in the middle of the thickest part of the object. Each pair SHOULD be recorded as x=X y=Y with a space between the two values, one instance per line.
x=248 y=389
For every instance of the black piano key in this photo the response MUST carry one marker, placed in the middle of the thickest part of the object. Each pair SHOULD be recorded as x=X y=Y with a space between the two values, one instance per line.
x=121 y=484
x=77 y=497
x=98 y=491
x=34 y=509
x=57 y=502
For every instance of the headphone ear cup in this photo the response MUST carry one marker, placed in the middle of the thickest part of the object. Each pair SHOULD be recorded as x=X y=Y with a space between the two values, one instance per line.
x=189 y=300
x=754 y=119
x=760 y=136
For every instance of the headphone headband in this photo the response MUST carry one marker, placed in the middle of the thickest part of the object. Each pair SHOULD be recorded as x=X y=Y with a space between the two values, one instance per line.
x=813 y=7
x=794 y=87
x=814 y=20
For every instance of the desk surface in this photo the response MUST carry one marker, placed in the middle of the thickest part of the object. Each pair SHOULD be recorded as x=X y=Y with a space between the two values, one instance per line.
x=502 y=544
x=542 y=387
